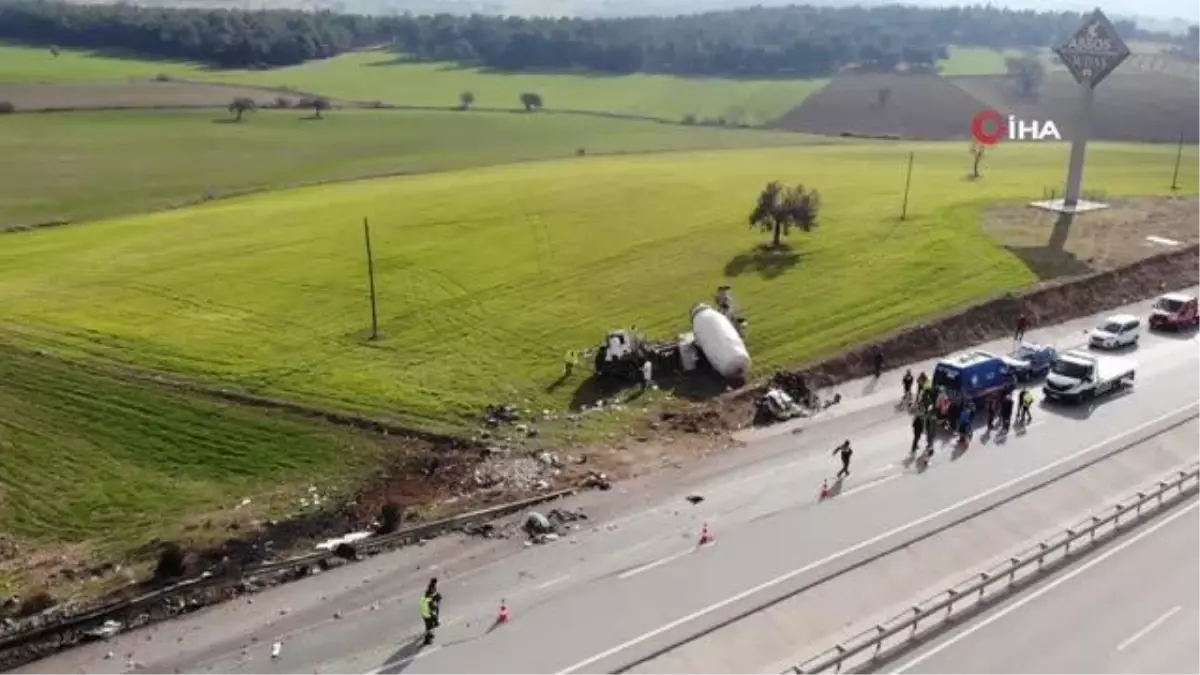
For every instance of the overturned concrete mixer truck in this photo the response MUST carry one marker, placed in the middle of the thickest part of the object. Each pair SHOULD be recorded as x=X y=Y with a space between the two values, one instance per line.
x=721 y=343
x=715 y=339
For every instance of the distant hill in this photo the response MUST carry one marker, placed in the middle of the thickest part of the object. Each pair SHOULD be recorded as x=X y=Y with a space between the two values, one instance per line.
x=1170 y=16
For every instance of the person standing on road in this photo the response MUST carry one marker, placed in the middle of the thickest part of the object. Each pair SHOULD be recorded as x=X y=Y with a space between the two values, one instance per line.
x=431 y=608
x=918 y=427
x=931 y=428
x=907 y=383
x=1024 y=412
x=844 y=453
x=991 y=404
x=877 y=360
x=1006 y=413
x=1022 y=324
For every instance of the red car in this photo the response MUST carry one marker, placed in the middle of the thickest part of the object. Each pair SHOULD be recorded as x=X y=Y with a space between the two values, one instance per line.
x=1174 y=310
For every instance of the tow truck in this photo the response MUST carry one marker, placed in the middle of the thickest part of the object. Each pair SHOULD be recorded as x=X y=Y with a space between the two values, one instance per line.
x=1079 y=377
x=1175 y=311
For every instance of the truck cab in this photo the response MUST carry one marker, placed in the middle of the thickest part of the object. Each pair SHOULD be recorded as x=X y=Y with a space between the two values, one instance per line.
x=1077 y=376
x=1174 y=311
x=973 y=376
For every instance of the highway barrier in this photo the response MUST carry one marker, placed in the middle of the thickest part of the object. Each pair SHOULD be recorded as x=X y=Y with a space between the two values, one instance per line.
x=69 y=630
x=973 y=593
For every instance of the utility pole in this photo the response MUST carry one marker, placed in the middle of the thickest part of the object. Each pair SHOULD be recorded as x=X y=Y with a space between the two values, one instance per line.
x=371 y=279
x=907 y=184
x=1178 y=157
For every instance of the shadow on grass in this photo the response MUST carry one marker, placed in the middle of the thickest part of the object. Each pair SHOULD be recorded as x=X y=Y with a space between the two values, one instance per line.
x=765 y=260
x=227 y=120
x=701 y=384
x=1053 y=260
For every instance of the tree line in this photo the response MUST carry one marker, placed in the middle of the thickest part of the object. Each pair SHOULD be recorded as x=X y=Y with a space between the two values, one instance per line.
x=793 y=41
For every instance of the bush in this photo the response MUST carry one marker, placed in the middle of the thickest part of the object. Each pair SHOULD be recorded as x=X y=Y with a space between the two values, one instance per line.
x=283 y=102
x=390 y=517
x=7 y=108
x=162 y=77
x=171 y=563
x=35 y=603
x=689 y=119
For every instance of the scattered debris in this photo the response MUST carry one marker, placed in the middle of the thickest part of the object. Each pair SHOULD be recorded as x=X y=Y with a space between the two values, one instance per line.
x=276 y=650
x=105 y=630
x=694 y=499
x=331 y=544
x=597 y=480
x=547 y=528
x=500 y=413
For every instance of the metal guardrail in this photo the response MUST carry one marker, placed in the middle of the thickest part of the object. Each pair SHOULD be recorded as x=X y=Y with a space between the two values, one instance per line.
x=866 y=647
x=99 y=615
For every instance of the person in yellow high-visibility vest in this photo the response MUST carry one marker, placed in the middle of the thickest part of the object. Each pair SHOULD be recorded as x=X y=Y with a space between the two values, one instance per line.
x=431 y=602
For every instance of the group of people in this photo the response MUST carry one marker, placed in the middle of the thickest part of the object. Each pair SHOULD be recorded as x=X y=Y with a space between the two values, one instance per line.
x=934 y=408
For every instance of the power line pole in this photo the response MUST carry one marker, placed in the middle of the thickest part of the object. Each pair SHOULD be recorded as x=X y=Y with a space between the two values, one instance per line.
x=1178 y=157
x=371 y=279
x=907 y=184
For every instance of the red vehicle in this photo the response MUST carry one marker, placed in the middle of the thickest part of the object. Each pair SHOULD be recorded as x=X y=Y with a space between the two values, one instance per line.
x=1174 y=310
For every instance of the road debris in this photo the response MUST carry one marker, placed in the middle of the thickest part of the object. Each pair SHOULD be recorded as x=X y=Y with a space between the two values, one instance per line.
x=694 y=499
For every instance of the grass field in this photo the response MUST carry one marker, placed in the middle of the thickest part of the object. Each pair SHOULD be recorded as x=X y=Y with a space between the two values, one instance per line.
x=87 y=165
x=379 y=75
x=99 y=465
x=486 y=276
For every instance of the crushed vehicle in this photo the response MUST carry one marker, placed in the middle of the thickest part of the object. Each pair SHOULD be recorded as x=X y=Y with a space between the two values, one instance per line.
x=1028 y=361
x=1078 y=377
x=1174 y=311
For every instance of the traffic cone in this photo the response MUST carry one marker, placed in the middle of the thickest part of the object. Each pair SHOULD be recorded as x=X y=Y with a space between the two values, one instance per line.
x=705 y=536
x=824 y=494
x=502 y=616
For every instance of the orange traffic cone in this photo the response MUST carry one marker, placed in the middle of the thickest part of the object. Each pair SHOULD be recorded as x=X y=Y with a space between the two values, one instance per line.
x=705 y=536
x=502 y=616
x=824 y=494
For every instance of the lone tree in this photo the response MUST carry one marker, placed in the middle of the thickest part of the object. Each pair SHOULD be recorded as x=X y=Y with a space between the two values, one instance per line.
x=1029 y=73
x=977 y=152
x=780 y=208
x=531 y=102
x=318 y=104
x=466 y=100
x=240 y=106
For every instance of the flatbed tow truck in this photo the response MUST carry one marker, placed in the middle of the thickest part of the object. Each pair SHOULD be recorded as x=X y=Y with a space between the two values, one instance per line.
x=1079 y=377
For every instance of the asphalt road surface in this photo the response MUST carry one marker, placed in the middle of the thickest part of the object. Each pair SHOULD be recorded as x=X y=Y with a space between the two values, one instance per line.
x=615 y=591
x=1131 y=608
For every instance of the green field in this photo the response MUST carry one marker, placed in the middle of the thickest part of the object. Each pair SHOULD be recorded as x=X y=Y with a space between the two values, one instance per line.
x=87 y=165
x=100 y=465
x=381 y=76
x=486 y=276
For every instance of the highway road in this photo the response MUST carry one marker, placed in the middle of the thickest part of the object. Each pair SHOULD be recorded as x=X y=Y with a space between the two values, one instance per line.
x=1132 y=607
x=616 y=591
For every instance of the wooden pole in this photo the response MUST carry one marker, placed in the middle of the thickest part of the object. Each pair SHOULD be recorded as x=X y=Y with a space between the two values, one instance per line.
x=1178 y=158
x=371 y=279
x=907 y=184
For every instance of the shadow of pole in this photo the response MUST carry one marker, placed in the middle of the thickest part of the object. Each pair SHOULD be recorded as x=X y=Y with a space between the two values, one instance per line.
x=1062 y=229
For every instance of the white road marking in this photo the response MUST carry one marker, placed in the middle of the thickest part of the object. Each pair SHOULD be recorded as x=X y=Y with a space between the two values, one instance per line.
x=870 y=485
x=649 y=566
x=1047 y=588
x=1151 y=626
x=858 y=547
x=548 y=584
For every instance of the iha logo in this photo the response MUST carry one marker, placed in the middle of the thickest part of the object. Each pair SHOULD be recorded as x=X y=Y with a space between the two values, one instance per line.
x=989 y=127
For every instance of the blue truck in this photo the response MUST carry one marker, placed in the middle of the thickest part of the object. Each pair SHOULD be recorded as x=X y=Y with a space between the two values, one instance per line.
x=973 y=377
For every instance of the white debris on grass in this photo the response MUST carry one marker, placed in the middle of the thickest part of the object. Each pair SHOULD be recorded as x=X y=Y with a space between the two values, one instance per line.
x=330 y=544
